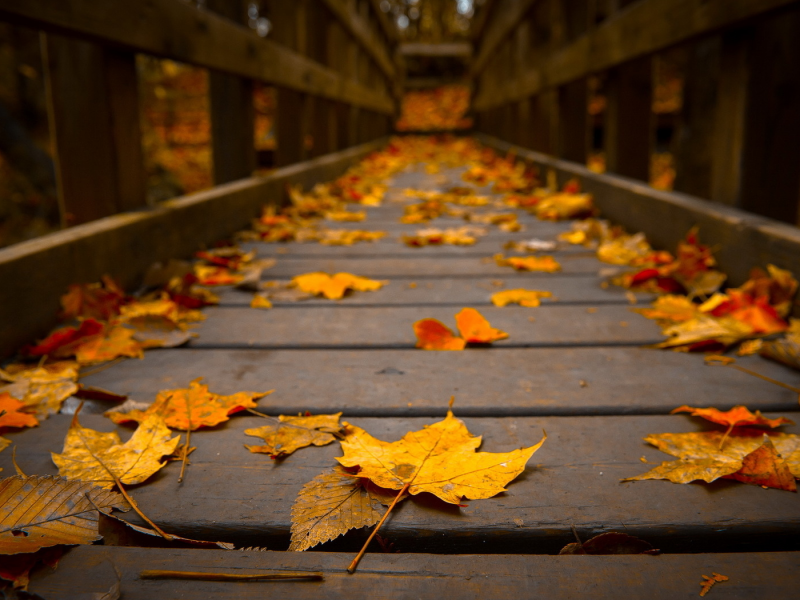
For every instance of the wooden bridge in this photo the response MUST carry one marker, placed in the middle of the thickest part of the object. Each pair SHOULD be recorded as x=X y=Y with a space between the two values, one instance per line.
x=574 y=367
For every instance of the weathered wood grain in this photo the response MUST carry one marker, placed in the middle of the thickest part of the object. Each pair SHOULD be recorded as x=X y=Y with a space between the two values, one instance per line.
x=428 y=266
x=87 y=569
x=38 y=271
x=345 y=326
x=462 y=292
x=233 y=495
x=513 y=382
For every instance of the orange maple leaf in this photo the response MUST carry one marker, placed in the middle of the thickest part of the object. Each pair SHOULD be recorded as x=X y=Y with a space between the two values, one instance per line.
x=475 y=329
x=435 y=335
x=93 y=300
x=765 y=467
x=61 y=343
x=738 y=416
x=547 y=264
x=10 y=414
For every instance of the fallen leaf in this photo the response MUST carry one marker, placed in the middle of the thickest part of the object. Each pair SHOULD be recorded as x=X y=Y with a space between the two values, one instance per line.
x=211 y=275
x=708 y=582
x=90 y=455
x=546 y=264
x=786 y=350
x=765 y=467
x=440 y=459
x=611 y=542
x=260 y=301
x=99 y=301
x=475 y=329
x=288 y=433
x=523 y=297
x=344 y=215
x=435 y=335
x=42 y=389
x=60 y=343
x=10 y=414
x=158 y=332
x=332 y=504
x=738 y=416
x=42 y=511
x=117 y=342
x=334 y=287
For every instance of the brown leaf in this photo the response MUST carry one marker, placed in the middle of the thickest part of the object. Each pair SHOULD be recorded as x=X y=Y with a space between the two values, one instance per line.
x=611 y=542
x=708 y=582
x=765 y=467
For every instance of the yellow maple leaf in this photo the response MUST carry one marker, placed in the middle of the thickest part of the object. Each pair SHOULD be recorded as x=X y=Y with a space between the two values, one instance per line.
x=289 y=433
x=440 y=459
x=260 y=301
x=41 y=389
x=333 y=287
x=546 y=264
x=91 y=455
x=521 y=296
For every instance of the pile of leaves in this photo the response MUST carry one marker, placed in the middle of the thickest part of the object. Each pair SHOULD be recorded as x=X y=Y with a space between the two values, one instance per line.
x=439 y=109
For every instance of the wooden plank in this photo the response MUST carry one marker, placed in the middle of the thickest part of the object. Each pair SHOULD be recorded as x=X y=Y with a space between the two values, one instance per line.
x=93 y=110
x=642 y=28
x=352 y=326
x=465 y=292
x=454 y=49
x=178 y=30
x=428 y=267
x=741 y=240
x=88 y=568
x=125 y=245
x=387 y=26
x=233 y=495
x=628 y=118
x=529 y=381
x=360 y=30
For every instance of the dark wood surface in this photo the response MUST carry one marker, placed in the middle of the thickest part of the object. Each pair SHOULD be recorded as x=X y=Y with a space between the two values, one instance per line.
x=405 y=576
x=570 y=368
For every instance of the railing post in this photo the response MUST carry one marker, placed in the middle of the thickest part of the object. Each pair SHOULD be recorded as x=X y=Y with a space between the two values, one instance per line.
x=232 y=112
x=94 y=118
x=573 y=130
x=628 y=118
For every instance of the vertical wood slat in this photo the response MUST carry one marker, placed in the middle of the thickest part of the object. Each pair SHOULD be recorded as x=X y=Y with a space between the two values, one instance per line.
x=573 y=128
x=232 y=111
x=628 y=119
x=94 y=116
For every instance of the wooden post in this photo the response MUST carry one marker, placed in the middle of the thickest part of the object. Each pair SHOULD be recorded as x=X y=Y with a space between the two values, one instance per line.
x=543 y=113
x=695 y=136
x=628 y=119
x=232 y=113
x=93 y=108
x=771 y=153
x=288 y=19
x=573 y=130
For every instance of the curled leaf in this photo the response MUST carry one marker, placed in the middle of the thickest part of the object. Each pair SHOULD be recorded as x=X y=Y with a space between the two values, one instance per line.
x=475 y=329
x=434 y=335
x=738 y=416
x=289 y=433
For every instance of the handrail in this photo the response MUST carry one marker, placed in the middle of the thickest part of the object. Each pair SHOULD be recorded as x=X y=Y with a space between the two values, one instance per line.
x=642 y=28
x=497 y=30
x=177 y=30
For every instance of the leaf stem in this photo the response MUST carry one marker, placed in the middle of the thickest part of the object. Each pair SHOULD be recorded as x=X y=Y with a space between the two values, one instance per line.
x=353 y=565
x=765 y=378
x=135 y=507
x=725 y=437
x=297 y=576
x=185 y=453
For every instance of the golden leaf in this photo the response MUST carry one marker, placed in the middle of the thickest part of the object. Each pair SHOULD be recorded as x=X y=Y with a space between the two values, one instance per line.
x=475 y=329
x=332 y=504
x=41 y=389
x=333 y=287
x=523 y=297
x=435 y=335
x=10 y=414
x=546 y=264
x=117 y=342
x=260 y=301
x=91 y=455
x=288 y=433
x=51 y=510
x=439 y=459
x=702 y=459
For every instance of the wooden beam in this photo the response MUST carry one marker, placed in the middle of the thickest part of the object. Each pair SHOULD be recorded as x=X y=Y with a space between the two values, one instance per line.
x=94 y=115
x=360 y=30
x=177 y=30
x=386 y=24
x=497 y=30
x=456 y=49
x=125 y=245
x=642 y=28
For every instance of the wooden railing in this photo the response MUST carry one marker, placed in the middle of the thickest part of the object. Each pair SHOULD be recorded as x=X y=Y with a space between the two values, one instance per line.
x=739 y=137
x=331 y=62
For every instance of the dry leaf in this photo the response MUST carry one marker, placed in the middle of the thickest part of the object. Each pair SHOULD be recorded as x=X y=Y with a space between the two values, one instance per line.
x=42 y=389
x=611 y=542
x=708 y=582
x=289 y=433
x=434 y=335
x=91 y=455
x=117 y=342
x=523 y=297
x=61 y=343
x=738 y=416
x=10 y=414
x=99 y=301
x=41 y=511
x=786 y=350
x=475 y=329
x=546 y=264
x=765 y=467
x=332 y=504
x=333 y=287
x=440 y=459
x=260 y=301
x=16 y=568
x=211 y=275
